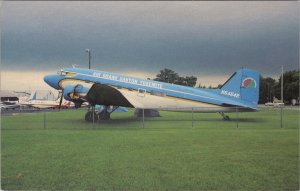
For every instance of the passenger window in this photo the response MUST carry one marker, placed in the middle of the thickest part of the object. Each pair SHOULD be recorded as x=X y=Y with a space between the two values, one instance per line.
x=61 y=72
x=142 y=91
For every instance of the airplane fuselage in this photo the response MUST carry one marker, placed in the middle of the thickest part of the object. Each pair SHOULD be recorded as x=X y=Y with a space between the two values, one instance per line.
x=142 y=93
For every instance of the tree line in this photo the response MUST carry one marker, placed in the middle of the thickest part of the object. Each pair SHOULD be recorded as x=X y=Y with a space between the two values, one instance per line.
x=268 y=90
x=169 y=76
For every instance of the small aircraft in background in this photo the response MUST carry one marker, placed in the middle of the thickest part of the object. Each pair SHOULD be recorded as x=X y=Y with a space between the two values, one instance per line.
x=240 y=92
x=47 y=104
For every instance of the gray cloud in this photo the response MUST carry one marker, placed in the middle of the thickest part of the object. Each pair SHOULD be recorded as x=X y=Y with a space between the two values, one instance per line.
x=189 y=37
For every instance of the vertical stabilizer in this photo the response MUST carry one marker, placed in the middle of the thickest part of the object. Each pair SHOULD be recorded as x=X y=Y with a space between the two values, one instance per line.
x=243 y=85
x=32 y=96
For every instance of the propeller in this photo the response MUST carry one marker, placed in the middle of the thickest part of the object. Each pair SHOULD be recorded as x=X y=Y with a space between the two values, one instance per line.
x=61 y=99
x=79 y=99
x=72 y=94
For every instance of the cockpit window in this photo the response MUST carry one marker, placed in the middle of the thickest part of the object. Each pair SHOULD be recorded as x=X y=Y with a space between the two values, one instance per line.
x=61 y=72
x=67 y=74
x=71 y=74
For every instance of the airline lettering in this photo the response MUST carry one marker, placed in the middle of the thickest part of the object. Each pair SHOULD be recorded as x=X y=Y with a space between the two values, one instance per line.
x=127 y=80
x=151 y=84
x=231 y=94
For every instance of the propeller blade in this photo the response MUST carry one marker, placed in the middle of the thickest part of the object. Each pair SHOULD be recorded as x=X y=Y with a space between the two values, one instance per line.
x=61 y=99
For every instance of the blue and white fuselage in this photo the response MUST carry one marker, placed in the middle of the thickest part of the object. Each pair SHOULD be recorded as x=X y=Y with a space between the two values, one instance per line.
x=240 y=91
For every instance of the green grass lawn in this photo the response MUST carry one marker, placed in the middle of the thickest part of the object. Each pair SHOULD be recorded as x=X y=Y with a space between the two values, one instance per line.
x=168 y=154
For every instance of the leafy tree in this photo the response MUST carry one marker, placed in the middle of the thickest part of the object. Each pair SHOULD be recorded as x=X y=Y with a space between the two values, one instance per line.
x=210 y=86
x=219 y=86
x=290 y=86
x=181 y=81
x=270 y=88
x=201 y=86
x=266 y=89
x=191 y=81
x=169 y=76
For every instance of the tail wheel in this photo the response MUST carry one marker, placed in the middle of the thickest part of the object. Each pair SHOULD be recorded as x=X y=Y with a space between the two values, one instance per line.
x=89 y=116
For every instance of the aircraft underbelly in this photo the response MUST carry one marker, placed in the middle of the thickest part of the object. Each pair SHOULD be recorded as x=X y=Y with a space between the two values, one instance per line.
x=167 y=103
x=147 y=100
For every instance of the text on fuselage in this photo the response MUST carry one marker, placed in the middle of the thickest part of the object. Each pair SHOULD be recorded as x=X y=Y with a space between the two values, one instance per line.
x=127 y=80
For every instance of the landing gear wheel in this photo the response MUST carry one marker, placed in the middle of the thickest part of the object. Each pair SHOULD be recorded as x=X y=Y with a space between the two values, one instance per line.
x=89 y=116
x=104 y=115
x=226 y=118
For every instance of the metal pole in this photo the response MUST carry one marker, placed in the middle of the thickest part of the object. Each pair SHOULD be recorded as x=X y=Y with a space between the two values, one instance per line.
x=237 y=117
x=93 y=114
x=89 y=59
x=143 y=118
x=269 y=93
x=281 y=108
x=192 y=117
x=282 y=84
x=89 y=51
x=44 y=120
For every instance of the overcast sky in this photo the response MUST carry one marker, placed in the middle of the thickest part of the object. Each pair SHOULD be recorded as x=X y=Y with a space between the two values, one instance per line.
x=209 y=40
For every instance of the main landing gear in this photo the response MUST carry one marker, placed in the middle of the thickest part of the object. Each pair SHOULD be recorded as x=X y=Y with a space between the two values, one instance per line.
x=225 y=117
x=103 y=114
x=90 y=115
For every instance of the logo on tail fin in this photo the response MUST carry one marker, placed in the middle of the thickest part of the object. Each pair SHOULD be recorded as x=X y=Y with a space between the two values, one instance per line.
x=249 y=83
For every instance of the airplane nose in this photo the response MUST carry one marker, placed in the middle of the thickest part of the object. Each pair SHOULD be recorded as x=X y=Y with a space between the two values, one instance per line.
x=53 y=80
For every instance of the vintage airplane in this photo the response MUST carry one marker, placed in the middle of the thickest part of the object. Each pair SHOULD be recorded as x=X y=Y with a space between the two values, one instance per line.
x=46 y=104
x=240 y=92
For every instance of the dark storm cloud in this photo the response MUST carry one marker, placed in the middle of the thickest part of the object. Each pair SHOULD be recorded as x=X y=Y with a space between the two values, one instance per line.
x=189 y=37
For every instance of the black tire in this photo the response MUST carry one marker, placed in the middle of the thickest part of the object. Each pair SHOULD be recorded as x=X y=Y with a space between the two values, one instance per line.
x=104 y=115
x=226 y=118
x=89 y=116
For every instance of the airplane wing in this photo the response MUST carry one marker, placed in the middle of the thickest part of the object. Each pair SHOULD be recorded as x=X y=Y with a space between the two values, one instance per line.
x=106 y=95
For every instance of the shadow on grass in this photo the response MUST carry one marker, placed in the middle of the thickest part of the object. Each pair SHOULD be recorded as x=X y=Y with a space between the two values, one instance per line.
x=125 y=123
x=120 y=120
x=81 y=124
x=253 y=120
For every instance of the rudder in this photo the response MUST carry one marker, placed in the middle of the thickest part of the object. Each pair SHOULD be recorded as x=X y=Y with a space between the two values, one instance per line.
x=243 y=85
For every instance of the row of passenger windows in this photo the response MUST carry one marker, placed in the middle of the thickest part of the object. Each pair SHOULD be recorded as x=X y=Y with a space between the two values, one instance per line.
x=70 y=74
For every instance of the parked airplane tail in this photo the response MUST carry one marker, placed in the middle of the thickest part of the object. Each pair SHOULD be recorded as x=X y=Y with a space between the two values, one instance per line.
x=32 y=96
x=243 y=85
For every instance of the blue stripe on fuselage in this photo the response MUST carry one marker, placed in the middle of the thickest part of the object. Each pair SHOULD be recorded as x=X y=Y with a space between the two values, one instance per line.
x=189 y=93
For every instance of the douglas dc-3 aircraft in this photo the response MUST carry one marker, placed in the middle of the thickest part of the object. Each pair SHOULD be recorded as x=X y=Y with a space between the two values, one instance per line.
x=240 y=92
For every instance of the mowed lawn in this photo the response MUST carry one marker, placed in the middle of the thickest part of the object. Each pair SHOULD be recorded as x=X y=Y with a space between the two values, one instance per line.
x=63 y=152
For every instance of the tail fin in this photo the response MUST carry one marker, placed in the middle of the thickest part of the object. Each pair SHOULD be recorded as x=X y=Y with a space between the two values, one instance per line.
x=32 y=96
x=243 y=85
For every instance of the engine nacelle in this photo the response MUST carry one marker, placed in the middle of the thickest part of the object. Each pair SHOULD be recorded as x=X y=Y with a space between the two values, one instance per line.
x=75 y=94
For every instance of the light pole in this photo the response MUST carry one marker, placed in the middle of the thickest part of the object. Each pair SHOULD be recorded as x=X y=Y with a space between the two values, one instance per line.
x=89 y=51
x=282 y=84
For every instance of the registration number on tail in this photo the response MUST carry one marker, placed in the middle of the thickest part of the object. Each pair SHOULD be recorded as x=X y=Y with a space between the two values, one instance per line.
x=231 y=94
